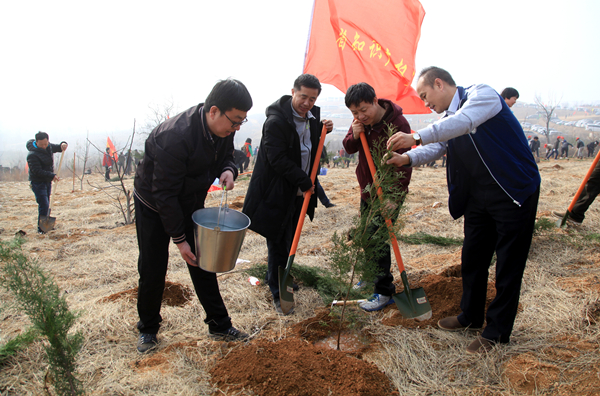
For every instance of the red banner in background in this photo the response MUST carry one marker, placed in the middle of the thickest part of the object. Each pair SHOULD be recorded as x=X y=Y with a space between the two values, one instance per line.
x=374 y=41
x=113 y=151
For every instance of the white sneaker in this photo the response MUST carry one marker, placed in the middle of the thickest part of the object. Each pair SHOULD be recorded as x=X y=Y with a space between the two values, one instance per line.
x=376 y=302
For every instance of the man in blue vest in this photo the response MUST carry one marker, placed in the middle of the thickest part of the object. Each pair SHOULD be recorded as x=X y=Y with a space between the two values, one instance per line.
x=493 y=181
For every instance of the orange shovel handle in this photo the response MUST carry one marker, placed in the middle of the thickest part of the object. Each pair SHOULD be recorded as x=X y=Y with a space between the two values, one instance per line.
x=313 y=176
x=388 y=222
x=584 y=182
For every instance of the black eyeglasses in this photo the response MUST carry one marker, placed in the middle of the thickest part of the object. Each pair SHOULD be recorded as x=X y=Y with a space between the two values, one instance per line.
x=236 y=124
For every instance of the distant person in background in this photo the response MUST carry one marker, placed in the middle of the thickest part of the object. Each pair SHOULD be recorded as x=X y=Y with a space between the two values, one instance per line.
x=239 y=157
x=41 y=170
x=510 y=96
x=591 y=147
x=564 y=148
x=534 y=144
x=247 y=149
x=555 y=149
x=579 y=145
x=588 y=195
x=107 y=164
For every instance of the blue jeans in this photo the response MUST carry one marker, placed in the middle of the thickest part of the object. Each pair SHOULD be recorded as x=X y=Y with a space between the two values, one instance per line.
x=42 y=196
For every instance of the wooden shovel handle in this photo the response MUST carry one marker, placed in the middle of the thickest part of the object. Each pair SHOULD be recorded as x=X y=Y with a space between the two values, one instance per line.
x=313 y=175
x=53 y=193
x=388 y=222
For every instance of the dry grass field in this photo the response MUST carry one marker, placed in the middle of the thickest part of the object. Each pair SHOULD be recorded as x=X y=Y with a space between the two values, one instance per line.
x=93 y=258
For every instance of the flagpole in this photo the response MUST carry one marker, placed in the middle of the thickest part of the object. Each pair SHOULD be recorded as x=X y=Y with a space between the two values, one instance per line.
x=312 y=13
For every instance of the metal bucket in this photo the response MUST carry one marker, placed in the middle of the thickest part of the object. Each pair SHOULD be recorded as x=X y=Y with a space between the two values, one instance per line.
x=219 y=249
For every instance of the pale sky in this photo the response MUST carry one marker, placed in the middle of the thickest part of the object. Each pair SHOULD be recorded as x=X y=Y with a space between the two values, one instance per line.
x=74 y=66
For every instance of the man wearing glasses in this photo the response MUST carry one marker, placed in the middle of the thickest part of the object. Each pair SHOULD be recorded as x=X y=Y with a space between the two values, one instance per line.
x=290 y=137
x=182 y=158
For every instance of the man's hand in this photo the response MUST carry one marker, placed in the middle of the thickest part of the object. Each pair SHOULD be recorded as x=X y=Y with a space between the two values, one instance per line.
x=400 y=140
x=56 y=178
x=328 y=125
x=186 y=253
x=64 y=146
x=309 y=191
x=398 y=159
x=226 y=180
x=357 y=128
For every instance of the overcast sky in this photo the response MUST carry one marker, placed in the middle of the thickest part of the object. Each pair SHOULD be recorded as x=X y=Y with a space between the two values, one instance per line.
x=74 y=66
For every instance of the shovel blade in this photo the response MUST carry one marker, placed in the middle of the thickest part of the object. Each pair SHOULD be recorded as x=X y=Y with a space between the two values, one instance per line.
x=286 y=291
x=46 y=223
x=416 y=306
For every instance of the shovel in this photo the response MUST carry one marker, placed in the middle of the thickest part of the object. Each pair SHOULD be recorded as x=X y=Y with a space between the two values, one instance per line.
x=286 y=290
x=46 y=223
x=561 y=223
x=412 y=303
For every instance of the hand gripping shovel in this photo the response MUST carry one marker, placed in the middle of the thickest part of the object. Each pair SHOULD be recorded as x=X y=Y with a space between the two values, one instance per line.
x=412 y=303
x=286 y=291
x=46 y=222
x=561 y=223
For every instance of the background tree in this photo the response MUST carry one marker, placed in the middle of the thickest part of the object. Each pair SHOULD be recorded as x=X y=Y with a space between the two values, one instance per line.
x=548 y=108
x=158 y=114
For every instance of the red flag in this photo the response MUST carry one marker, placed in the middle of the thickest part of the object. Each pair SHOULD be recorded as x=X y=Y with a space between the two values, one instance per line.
x=113 y=151
x=375 y=42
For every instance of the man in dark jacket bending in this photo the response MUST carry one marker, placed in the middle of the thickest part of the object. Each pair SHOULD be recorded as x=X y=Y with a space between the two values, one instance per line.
x=182 y=158
x=290 y=137
x=41 y=170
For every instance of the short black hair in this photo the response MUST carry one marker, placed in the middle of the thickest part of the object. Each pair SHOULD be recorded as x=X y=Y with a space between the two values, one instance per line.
x=41 y=136
x=248 y=140
x=228 y=94
x=308 y=81
x=361 y=92
x=429 y=74
x=509 y=92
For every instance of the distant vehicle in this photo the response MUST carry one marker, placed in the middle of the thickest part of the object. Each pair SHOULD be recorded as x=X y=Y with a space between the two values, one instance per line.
x=593 y=127
x=569 y=123
x=526 y=125
x=583 y=123
x=532 y=117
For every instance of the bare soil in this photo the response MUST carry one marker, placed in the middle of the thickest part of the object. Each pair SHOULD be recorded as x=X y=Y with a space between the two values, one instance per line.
x=93 y=258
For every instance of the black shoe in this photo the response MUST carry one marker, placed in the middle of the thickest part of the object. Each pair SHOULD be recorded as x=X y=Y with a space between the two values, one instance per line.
x=146 y=342
x=231 y=334
x=330 y=205
x=295 y=287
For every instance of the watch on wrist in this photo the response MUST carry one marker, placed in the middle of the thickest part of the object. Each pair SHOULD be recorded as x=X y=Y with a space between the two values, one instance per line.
x=417 y=138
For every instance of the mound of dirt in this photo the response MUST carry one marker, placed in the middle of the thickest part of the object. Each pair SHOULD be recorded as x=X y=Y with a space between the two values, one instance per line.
x=295 y=367
x=444 y=293
x=175 y=295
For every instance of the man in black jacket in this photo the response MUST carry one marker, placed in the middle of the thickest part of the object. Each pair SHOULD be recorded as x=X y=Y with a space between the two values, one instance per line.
x=182 y=158
x=41 y=170
x=290 y=138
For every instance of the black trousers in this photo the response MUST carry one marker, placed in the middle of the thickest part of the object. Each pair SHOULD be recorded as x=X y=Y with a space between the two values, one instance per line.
x=384 y=280
x=588 y=195
x=493 y=223
x=153 y=245
x=279 y=249
x=321 y=194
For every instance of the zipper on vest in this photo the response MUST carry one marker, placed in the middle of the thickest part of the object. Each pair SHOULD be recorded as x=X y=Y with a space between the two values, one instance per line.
x=491 y=174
